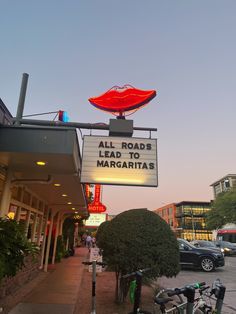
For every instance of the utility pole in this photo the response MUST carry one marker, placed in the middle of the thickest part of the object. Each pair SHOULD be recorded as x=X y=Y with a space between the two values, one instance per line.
x=21 y=102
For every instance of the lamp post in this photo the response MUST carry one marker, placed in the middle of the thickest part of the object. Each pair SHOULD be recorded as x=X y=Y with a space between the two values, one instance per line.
x=191 y=215
x=193 y=227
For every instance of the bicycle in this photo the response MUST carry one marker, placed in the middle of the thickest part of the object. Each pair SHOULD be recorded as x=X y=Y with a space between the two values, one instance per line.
x=203 y=304
x=200 y=305
x=181 y=307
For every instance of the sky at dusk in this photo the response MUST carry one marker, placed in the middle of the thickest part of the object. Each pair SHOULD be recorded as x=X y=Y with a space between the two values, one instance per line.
x=186 y=50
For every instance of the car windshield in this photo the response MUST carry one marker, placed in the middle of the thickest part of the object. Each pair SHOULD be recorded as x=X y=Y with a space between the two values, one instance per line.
x=182 y=241
x=202 y=243
x=207 y=243
x=228 y=244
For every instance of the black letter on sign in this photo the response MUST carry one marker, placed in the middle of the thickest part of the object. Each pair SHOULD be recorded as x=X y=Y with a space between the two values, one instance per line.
x=101 y=144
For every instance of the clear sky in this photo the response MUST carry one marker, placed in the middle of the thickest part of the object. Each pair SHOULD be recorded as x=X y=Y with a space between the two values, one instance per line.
x=184 y=49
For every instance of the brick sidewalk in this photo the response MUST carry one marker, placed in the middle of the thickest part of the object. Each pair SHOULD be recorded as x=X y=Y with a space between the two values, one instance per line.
x=67 y=288
x=57 y=292
x=105 y=296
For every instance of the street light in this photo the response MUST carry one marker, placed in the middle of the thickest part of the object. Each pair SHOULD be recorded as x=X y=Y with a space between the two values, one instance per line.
x=193 y=227
x=191 y=215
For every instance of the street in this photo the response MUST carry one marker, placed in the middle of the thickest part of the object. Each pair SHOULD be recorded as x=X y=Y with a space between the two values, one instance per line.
x=226 y=274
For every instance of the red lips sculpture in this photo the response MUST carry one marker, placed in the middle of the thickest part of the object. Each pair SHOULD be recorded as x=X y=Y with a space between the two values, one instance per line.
x=119 y=100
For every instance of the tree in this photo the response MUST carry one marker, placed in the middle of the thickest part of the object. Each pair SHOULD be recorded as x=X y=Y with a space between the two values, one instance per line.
x=14 y=247
x=138 y=239
x=223 y=210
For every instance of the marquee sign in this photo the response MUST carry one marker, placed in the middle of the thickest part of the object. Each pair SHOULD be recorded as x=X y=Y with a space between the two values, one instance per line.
x=119 y=161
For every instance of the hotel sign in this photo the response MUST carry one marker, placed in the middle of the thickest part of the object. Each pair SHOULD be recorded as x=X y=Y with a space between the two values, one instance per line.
x=119 y=161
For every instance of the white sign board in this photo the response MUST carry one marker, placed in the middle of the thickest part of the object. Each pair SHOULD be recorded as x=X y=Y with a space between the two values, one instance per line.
x=119 y=161
x=95 y=220
x=95 y=256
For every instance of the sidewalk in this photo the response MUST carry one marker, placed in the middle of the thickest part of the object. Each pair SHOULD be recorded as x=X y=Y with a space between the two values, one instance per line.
x=58 y=292
x=67 y=289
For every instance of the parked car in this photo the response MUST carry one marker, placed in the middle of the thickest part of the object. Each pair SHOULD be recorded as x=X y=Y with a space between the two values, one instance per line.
x=207 y=244
x=203 y=258
x=228 y=247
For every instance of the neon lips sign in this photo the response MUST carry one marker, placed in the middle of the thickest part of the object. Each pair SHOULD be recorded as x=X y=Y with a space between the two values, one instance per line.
x=119 y=100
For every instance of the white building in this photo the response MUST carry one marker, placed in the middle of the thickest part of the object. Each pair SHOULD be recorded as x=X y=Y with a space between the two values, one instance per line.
x=224 y=184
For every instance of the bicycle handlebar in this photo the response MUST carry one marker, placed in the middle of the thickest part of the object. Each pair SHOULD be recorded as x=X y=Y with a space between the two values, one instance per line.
x=182 y=290
x=136 y=272
x=203 y=288
x=97 y=263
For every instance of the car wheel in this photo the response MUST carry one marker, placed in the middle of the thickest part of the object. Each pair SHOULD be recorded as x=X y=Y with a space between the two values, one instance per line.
x=207 y=264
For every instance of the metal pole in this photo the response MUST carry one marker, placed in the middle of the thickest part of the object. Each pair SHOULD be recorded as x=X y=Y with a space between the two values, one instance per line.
x=79 y=125
x=137 y=297
x=21 y=103
x=55 y=239
x=48 y=242
x=220 y=298
x=94 y=288
x=44 y=239
x=193 y=227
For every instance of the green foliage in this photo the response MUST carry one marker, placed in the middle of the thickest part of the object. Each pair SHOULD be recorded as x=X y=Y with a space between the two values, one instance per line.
x=101 y=231
x=14 y=247
x=223 y=210
x=68 y=231
x=138 y=239
x=60 y=251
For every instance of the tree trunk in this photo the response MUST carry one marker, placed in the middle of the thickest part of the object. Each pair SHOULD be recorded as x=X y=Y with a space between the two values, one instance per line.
x=122 y=288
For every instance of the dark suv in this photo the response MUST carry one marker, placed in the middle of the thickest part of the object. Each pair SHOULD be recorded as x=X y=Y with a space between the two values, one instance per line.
x=203 y=258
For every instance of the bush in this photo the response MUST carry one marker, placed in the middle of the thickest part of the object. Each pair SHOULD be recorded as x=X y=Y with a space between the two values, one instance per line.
x=60 y=251
x=138 y=239
x=14 y=247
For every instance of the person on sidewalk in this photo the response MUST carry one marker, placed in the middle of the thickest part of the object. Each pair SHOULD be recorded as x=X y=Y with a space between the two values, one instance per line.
x=89 y=242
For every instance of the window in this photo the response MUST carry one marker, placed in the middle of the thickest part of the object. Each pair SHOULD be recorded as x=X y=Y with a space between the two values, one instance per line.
x=34 y=202
x=218 y=188
x=170 y=222
x=26 y=198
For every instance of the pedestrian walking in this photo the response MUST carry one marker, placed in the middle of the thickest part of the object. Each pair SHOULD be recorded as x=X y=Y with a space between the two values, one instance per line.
x=89 y=242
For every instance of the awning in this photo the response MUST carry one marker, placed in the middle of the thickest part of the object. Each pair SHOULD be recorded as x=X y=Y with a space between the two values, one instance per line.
x=21 y=147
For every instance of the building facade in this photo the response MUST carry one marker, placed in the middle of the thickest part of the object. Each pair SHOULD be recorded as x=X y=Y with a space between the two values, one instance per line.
x=168 y=213
x=224 y=184
x=187 y=219
x=40 y=182
x=191 y=219
x=5 y=115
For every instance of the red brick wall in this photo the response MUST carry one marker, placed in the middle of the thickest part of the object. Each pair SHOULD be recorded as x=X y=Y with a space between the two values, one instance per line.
x=9 y=285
